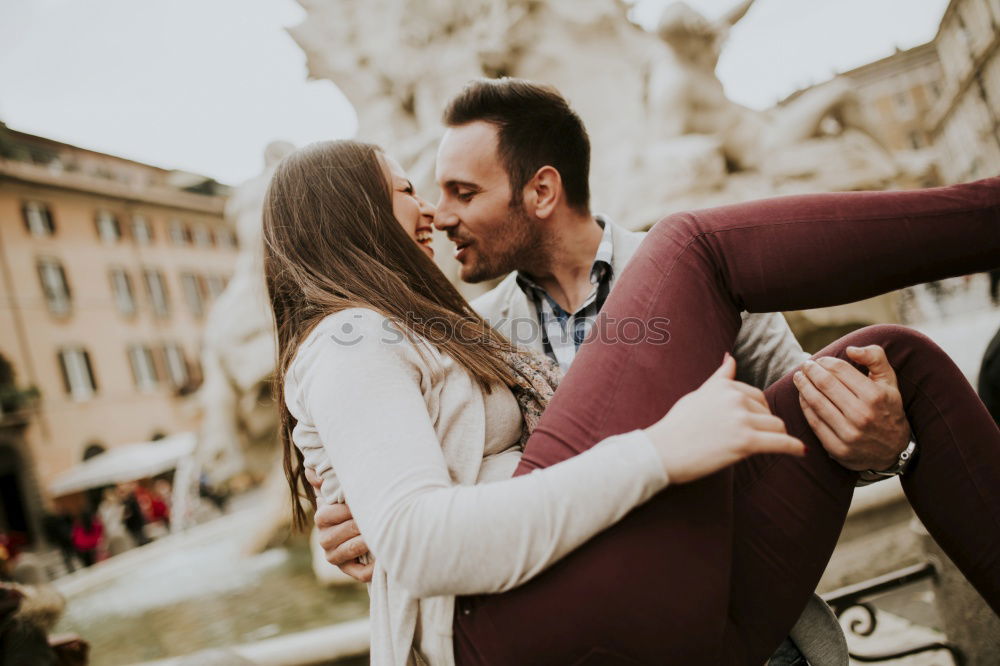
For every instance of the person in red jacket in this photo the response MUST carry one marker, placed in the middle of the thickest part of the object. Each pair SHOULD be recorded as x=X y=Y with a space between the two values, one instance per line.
x=87 y=534
x=159 y=502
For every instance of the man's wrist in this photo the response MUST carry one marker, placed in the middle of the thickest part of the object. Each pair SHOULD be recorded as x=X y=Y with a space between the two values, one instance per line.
x=896 y=469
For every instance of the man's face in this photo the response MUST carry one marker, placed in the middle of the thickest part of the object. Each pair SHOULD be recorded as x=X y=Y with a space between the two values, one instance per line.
x=491 y=237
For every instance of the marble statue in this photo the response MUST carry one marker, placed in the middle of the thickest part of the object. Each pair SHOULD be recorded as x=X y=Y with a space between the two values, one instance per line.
x=238 y=422
x=664 y=134
x=818 y=140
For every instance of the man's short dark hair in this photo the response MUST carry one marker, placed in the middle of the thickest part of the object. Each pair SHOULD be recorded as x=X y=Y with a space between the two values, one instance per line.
x=535 y=127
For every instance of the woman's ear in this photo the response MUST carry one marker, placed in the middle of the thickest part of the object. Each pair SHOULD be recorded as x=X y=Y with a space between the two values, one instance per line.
x=543 y=192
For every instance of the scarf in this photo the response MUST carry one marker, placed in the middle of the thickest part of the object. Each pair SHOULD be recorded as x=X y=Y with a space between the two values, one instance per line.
x=535 y=380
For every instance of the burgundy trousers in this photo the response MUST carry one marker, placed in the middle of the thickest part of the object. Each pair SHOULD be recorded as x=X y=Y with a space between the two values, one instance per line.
x=717 y=571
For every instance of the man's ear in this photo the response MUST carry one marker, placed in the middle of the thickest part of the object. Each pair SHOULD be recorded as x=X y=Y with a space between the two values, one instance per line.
x=543 y=192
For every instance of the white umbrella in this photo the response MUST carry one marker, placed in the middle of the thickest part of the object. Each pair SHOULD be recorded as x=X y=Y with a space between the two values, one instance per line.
x=128 y=462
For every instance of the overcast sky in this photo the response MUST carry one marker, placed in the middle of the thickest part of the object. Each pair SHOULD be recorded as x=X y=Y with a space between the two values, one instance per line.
x=203 y=85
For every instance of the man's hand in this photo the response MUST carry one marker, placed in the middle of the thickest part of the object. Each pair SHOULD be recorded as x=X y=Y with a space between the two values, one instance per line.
x=342 y=542
x=339 y=536
x=859 y=420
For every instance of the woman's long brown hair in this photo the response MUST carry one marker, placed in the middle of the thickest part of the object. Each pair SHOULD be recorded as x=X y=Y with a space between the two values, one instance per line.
x=331 y=242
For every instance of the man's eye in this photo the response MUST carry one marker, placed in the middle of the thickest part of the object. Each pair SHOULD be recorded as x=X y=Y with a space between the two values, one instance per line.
x=465 y=196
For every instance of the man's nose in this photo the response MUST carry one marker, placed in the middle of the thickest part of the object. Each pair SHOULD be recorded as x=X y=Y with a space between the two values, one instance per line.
x=444 y=220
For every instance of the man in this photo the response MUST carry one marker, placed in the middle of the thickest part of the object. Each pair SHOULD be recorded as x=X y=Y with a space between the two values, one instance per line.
x=513 y=169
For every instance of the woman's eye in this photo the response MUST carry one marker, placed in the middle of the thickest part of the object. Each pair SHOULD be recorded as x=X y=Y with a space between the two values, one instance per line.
x=465 y=196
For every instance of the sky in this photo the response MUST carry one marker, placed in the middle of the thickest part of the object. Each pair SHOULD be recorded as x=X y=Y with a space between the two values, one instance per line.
x=204 y=85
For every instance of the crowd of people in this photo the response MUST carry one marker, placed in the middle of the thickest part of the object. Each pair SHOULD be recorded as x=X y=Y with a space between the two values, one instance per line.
x=126 y=515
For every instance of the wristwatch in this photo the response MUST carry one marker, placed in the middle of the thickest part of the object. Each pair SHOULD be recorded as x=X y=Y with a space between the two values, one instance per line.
x=872 y=475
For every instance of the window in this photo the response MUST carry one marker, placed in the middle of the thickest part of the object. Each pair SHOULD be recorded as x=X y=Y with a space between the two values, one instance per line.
x=191 y=284
x=38 y=219
x=93 y=449
x=144 y=373
x=916 y=141
x=77 y=372
x=179 y=233
x=54 y=286
x=108 y=229
x=121 y=286
x=157 y=290
x=216 y=285
x=902 y=100
x=176 y=365
x=202 y=236
x=142 y=230
x=225 y=238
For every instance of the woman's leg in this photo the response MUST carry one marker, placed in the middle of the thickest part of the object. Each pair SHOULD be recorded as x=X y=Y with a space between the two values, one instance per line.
x=728 y=563
x=953 y=483
x=698 y=270
x=712 y=572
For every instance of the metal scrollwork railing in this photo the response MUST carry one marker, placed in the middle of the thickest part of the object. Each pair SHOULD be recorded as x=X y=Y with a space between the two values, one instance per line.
x=854 y=597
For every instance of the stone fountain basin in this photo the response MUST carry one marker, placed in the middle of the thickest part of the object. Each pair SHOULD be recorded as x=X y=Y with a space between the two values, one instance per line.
x=197 y=591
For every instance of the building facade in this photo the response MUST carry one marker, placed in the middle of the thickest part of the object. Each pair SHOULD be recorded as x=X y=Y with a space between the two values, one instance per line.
x=109 y=267
x=944 y=94
x=898 y=92
x=965 y=123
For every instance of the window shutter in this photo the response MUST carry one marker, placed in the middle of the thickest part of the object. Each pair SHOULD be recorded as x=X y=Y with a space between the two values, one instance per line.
x=90 y=369
x=65 y=371
x=65 y=282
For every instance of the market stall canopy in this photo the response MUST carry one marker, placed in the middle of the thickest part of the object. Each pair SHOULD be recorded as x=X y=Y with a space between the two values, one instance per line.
x=129 y=462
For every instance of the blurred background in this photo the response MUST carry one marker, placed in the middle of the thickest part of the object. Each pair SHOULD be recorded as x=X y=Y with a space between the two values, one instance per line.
x=138 y=461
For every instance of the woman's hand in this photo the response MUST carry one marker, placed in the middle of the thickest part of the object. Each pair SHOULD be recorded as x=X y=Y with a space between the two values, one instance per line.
x=720 y=423
x=342 y=543
x=339 y=536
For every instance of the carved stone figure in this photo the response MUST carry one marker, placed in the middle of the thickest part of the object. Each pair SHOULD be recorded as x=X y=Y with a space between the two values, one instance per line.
x=664 y=134
x=818 y=140
x=238 y=358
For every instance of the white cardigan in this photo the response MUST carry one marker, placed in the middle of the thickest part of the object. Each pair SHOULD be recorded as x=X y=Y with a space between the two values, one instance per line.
x=425 y=457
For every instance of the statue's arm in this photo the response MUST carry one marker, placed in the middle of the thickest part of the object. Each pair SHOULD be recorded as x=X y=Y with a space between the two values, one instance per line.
x=733 y=16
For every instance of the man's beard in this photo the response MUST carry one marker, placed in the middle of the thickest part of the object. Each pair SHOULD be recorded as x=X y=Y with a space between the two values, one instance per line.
x=522 y=247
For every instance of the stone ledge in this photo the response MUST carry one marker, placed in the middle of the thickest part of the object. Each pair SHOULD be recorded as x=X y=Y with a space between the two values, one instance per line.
x=317 y=646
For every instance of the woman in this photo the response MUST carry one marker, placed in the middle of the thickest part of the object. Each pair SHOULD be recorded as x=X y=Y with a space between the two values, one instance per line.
x=388 y=377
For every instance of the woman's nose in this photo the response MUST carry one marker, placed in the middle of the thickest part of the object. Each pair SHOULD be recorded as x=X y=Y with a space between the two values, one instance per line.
x=427 y=208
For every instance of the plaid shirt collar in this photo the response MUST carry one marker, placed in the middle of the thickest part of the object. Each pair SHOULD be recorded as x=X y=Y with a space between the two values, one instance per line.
x=600 y=270
x=562 y=331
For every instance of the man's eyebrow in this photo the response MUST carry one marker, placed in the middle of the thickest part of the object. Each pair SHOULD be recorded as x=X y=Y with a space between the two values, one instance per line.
x=460 y=183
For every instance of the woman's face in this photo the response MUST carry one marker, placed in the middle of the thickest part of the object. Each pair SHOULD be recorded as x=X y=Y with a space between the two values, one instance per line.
x=412 y=212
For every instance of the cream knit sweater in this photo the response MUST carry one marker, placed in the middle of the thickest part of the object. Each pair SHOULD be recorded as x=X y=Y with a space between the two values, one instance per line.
x=425 y=458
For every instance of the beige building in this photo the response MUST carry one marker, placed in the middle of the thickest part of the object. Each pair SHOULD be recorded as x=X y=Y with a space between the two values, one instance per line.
x=898 y=92
x=943 y=94
x=109 y=267
x=966 y=121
